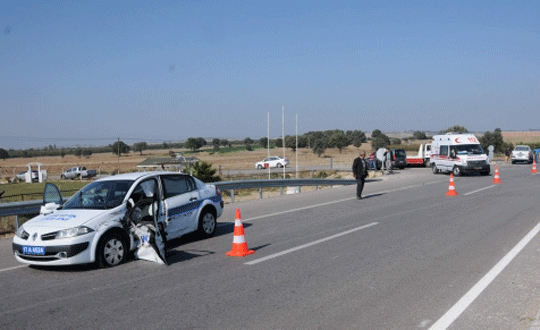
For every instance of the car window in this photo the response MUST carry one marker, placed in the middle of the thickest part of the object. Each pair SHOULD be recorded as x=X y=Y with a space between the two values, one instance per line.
x=400 y=153
x=174 y=185
x=99 y=195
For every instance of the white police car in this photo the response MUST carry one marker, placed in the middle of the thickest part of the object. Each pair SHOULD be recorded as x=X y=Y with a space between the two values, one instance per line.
x=109 y=217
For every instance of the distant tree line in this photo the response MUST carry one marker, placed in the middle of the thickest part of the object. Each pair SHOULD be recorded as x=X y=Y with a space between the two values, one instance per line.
x=317 y=141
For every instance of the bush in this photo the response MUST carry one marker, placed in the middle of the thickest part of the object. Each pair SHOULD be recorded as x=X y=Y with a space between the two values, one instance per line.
x=321 y=175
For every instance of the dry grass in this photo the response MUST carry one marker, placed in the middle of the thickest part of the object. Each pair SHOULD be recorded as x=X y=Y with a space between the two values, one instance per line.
x=521 y=137
x=109 y=163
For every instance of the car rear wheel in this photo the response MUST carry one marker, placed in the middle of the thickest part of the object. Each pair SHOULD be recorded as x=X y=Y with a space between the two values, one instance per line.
x=259 y=167
x=456 y=171
x=111 y=251
x=207 y=224
x=434 y=169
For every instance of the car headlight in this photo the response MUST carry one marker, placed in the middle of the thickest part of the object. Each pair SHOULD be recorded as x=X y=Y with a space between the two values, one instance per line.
x=22 y=233
x=72 y=232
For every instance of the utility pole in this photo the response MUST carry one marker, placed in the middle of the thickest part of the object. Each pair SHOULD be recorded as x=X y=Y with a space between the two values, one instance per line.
x=118 y=155
x=283 y=135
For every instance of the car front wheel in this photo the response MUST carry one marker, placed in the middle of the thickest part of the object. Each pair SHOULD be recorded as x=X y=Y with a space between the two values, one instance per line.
x=111 y=251
x=259 y=167
x=434 y=169
x=207 y=224
x=456 y=171
x=279 y=165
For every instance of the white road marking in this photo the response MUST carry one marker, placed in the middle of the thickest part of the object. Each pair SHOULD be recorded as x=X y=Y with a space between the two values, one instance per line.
x=338 y=201
x=275 y=255
x=475 y=191
x=447 y=319
x=12 y=268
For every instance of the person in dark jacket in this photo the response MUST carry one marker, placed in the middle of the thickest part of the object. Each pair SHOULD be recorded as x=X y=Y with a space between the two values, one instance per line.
x=359 y=170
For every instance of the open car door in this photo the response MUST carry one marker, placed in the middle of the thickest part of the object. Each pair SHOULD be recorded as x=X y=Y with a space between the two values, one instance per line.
x=52 y=199
x=147 y=224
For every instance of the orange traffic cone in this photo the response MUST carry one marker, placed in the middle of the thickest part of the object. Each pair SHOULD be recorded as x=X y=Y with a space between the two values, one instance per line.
x=496 y=178
x=534 y=167
x=451 y=188
x=239 y=245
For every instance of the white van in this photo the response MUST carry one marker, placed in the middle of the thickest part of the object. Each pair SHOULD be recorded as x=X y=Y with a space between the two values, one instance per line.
x=458 y=153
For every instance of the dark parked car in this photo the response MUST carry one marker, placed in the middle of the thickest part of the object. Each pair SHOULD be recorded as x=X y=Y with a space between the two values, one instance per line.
x=399 y=158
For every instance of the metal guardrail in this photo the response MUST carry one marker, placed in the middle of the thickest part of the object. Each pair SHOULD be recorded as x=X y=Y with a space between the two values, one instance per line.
x=32 y=207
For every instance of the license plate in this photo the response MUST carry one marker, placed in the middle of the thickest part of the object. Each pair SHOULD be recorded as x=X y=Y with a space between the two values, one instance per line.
x=35 y=250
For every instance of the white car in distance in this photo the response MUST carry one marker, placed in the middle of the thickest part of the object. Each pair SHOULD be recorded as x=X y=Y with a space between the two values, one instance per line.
x=522 y=153
x=274 y=161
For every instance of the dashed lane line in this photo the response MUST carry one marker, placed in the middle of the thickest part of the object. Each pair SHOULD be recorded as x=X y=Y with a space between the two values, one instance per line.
x=279 y=254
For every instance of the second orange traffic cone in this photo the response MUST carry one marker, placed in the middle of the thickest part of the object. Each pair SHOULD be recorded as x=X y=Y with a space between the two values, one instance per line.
x=534 y=167
x=496 y=178
x=239 y=245
x=451 y=187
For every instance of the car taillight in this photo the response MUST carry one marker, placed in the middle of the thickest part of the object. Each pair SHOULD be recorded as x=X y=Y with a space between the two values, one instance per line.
x=218 y=192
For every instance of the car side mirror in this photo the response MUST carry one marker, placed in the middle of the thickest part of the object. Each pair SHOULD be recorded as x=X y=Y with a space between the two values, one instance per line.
x=48 y=208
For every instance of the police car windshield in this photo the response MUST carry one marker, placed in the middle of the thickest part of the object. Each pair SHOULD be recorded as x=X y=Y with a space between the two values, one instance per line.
x=465 y=149
x=99 y=195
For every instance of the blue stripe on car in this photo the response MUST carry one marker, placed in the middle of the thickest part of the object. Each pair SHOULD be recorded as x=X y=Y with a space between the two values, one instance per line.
x=184 y=208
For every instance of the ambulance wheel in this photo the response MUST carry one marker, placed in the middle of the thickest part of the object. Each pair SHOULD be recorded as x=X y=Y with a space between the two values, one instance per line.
x=456 y=171
x=434 y=169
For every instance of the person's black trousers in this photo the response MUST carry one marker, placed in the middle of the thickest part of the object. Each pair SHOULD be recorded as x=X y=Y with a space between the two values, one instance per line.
x=359 y=186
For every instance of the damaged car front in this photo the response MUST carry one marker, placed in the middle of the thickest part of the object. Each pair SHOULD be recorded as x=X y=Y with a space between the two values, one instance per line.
x=92 y=219
x=112 y=216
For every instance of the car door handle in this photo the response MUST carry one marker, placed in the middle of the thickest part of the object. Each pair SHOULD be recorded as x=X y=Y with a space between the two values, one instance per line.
x=193 y=199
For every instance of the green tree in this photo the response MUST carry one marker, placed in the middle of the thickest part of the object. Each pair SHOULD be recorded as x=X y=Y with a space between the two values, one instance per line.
x=319 y=147
x=339 y=140
x=201 y=141
x=379 y=140
x=78 y=152
x=193 y=144
x=204 y=172
x=248 y=141
x=87 y=152
x=263 y=142
x=376 y=133
x=4 y=154
x=290 y=142
x=140 y=147
x=119 y=148
x=495 y=139
x=456 y=129
x=356 y=135
x=419 y=135
x=395 y=141
x=224 y=142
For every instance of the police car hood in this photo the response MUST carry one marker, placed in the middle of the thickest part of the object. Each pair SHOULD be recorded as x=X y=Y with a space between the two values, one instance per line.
x=63 y=219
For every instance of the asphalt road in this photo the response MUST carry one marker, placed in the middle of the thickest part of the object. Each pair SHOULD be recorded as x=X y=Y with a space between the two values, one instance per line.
x=405 y=257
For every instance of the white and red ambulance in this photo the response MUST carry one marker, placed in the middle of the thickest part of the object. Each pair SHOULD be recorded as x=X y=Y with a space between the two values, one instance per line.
x=458 y=153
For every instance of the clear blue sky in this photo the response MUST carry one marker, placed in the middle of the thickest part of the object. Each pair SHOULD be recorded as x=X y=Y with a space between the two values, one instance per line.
x=166 y=70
